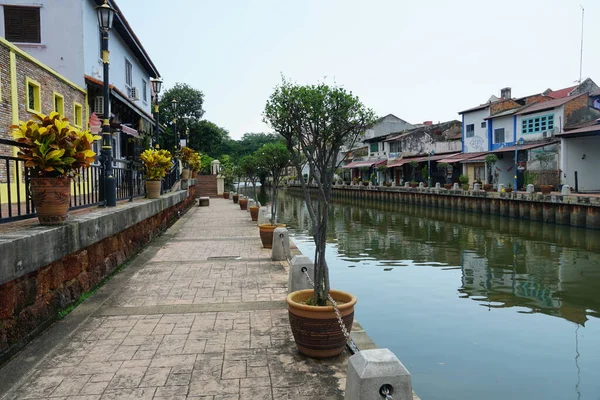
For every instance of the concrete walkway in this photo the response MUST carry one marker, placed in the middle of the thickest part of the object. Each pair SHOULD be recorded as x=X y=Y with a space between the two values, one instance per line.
x=200 y=314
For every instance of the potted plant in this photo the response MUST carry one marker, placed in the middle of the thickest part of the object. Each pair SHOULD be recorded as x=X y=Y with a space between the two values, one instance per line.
x=464 y=181
x=55 y=151
x=316 y=120
x=274 y=158
x=508 y=188
x=195 y=164
x=156 y=164
x=490 y=162
x=252 y=169
x=446 y=170
x=186 y=155
x=545 y=158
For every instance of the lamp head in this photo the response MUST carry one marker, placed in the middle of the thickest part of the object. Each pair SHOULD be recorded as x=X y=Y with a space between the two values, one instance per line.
x=174 y=104
x=106 y=15
x=520 y=141
x=156 y=85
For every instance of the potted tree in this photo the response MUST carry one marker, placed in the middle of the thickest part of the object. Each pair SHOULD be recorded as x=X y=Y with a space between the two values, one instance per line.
x=316 y=120
x=274 y=158
x=545 y=158
x=425 y=174
x=250 y=167
x=413 y=173
x=55 y=151
x=444 y=169
x=195 y=164
x=237 y=173
x=490 y=162
x=464 y=181
x=186 y=155
x=156 y=164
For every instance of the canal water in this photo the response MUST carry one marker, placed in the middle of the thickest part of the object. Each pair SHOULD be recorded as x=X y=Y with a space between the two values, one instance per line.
x=475 y=306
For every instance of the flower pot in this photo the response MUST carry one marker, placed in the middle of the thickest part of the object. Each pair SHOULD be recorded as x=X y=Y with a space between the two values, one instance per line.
x=235 y=197
x=488 y=187
x=546 y=189
x=194 y=174
x=465 y=186
x=226 y=195
x=508 y=190
x=413 y=185
x=185 y=173
x=243 y=203
x=347 y=183
x=366 y=183
x=316 y=330
x=266 y=234
x=447 y=186
x=153 y=189
x=254 y=212
x=51 y=198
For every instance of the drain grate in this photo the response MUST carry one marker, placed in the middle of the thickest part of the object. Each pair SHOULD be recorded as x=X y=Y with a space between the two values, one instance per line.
x=225 y=258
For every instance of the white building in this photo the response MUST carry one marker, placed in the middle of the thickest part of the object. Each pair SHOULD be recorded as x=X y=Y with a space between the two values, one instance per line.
x=65 y=35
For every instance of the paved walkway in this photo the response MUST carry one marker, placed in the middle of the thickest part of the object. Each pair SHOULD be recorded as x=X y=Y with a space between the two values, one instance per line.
x=200 y=314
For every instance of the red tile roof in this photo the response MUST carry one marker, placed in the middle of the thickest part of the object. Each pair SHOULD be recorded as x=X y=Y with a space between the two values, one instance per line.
x=559 y=94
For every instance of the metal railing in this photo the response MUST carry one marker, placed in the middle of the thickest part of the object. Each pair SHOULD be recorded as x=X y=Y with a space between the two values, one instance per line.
x=171 y=178
x=15 y=197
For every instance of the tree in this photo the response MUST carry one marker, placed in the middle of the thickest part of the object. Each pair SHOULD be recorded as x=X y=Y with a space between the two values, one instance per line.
x=251 y=169
x=490 y=161
x=189 y=103
x=206 y=137
x=274 y=158
x=315 y=121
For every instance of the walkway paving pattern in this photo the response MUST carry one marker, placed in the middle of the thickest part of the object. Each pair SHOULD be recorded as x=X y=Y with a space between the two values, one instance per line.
x=200 y=314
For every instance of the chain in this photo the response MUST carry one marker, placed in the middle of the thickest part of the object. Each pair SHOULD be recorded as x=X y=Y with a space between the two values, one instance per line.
x=386 y=392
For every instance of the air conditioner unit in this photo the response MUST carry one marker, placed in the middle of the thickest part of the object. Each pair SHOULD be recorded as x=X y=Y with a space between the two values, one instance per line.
x=99 y=105
x=134 y=94
x=545 y=134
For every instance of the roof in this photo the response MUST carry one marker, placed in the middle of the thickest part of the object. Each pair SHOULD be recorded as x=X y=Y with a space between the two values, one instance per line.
x=365 y=163
x=130 y=38
x=546 y=105
x=460 y=157
x=586 y=130
x=439 y=129
x=418 y=158
x=524 y=146
x=559 y=94
x=477 y=108
x=504 y=113
x=596 y=93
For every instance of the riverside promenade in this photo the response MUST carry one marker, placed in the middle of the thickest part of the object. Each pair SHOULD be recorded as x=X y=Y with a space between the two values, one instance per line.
x=199 y=314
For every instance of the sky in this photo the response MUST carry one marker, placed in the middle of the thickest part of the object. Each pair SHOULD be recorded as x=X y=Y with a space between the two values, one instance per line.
x=417 y=59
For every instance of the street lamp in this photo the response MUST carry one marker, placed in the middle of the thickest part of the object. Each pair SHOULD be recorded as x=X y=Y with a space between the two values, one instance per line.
x=174 y=108
x=517 y=144
x=156 y=86
x=431 y=153
x=183 y=141
x=106 y=15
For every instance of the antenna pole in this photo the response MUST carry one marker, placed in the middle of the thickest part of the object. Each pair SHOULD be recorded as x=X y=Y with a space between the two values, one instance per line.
x=581 y=55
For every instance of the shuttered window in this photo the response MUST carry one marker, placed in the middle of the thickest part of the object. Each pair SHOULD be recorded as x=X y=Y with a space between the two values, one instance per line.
x=22 y=24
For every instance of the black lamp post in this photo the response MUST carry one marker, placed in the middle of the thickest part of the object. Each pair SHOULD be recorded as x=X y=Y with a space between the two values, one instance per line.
x=174 y=108
x=105 y=19
x=184 y=140
x=156 y=86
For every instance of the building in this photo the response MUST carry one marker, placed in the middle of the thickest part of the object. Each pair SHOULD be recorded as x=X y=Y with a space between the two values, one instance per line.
x=66 y=37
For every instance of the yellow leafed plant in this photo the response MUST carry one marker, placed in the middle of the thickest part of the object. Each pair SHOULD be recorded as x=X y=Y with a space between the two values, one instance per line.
x=195 y=162
x=52 y=147
x=156 y=164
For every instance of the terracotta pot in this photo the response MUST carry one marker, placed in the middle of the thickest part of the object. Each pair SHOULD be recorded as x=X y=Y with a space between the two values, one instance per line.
x=316 y=329
x=226 y=195
x=153 y=189
x=365 y=183
x=236 y=197
x=546 y=189
x=413 y=185
x=447 y=186
x=185 y=173
x=51 y=198
x=488 y=187
x=508 y=190
x=266 y=234
x=243 y=203
x=194 y=174
x=254 y=212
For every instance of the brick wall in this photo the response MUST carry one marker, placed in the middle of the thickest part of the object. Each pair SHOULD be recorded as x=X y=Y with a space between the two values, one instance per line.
x=574 y=105
x=30 y=303
x=503 y=105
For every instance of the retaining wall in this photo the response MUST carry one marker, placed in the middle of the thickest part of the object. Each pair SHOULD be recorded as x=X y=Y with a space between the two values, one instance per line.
x=45 y=269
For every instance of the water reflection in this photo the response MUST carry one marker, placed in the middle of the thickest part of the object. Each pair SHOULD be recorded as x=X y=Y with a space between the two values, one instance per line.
x=504 y=262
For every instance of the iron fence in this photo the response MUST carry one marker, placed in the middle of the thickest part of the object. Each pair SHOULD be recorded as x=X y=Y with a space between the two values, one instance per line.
x=171 y=178
x=15 y=197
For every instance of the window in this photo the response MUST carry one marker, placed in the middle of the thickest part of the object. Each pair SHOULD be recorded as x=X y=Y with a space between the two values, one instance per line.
x=499 y=135
x=144 y=90
x=33 y=96
x=22 y=24
x=537 y=124
x=470 y=130
x=374 y=147
x=128 y=73
x=59 y=104
x=483 y=124
x=77 y=115
x=395 y=147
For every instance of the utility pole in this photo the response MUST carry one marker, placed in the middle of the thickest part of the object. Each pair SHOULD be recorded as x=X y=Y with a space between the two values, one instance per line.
x=581 y=55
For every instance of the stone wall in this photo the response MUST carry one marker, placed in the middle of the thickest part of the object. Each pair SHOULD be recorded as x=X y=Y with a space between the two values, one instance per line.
x=31 y=301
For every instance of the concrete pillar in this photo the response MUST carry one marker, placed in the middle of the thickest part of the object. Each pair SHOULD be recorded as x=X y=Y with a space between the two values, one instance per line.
x=370 y=370
x=296 y=279
x=437 y=186
x=455 y=186
x=530 y=188
x=280 y=251
x=231 y=195
x=420 y=185
x=220 y=185
x=263 y=216
x=407 y=185
x=476 y=187
x=566 y=190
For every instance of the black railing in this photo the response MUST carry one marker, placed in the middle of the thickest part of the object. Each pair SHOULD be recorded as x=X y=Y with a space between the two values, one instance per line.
x=15 y=198
x=171 y=178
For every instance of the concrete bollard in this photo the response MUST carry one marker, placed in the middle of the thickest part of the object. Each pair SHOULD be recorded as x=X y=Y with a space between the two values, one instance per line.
x=476 y=187
x=437 y=186
x=280 y=249
x=406 y=184
x=455 y=186
x=566 y=190
x=250 y=203
x=500 y=188
x=369 y=371
x=530 y=188
x=421 y=186
x=263 y=216
x=296 y=279
x=231 y=195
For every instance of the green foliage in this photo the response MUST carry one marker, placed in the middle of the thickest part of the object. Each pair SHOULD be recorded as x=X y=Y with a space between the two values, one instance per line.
x=424 y=173
x=274 y=158
x=464 y=179
x=491 y=159
x=206 y=136
x=545 y=159
x=413 y=169
x=530 y=178
x=205 y=162
x=189 y=103
x=156 y=164
x=248 y=144
x=443 y=167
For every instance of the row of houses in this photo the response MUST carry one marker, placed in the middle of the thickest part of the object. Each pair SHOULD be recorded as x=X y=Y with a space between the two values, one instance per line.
x=46 y=66
x=552 y=137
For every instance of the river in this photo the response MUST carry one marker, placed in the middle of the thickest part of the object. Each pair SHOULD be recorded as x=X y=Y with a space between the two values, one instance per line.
x=475 y=306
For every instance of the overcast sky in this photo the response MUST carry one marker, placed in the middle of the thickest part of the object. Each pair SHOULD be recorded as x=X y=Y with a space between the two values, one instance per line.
x=418 y=59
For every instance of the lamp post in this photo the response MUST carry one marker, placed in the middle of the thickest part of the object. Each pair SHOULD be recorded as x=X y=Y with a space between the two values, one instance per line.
x=174 y=108
x=431 y=153
x=156 y=86
x=105 y=19
x=183 y=141
x=517 y=144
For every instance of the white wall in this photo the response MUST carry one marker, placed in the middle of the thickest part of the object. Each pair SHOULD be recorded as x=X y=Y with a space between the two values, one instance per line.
x=388 y=125
x=61 y=35
x=505 y=169
x=118 y=52
x=479 y=142
x=508 y=124
x=572 y=151
x=559 y=120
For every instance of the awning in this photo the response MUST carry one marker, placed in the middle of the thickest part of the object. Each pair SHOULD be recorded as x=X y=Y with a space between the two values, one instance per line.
x=420 y=158
x=130 y=131
x=523 y=147
x=365 y=163
x=460 y=157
